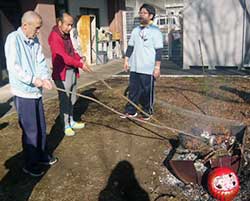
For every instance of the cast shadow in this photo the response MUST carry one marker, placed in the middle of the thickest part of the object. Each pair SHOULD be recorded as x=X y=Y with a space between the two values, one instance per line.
x=82 y=104
x=174 y=144
x=18 y=186
x=122 y=185
x=3 y=125
x=245 y=96
x=123 y=132
x=126 y=91
x=15 y=185
x=5 y=107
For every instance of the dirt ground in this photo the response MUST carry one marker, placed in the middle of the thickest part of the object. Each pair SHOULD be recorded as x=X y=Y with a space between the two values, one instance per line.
x=115 y=159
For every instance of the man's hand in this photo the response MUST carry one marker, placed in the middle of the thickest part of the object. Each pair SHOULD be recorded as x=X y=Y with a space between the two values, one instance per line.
x=126 y=65
x=47 y=84
x=86 y=68
x=157 y=72
x=38 y=82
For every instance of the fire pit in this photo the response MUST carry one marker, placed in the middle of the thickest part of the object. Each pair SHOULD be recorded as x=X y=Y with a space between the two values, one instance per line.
x=193 y=158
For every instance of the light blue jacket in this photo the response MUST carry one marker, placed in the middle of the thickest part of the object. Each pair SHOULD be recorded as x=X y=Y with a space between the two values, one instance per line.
x=25 y=62
x=145 y=41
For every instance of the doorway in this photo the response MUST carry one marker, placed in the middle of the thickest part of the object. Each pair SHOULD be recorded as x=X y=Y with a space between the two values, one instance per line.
x=91 y=11
x=86 y=27
x=10 y=20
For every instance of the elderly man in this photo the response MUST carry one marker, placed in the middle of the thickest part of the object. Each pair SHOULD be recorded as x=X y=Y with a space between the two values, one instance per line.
x=66 y=63
x=28 y=75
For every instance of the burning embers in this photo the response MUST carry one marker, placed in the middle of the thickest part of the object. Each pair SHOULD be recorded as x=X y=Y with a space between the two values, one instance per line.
x=206 y=155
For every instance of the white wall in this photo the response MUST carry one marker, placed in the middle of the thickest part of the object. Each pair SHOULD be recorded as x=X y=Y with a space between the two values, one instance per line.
x=219 y=26
x=75 y=5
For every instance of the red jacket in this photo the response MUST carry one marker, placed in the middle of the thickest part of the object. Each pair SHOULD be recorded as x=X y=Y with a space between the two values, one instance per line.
x=63 y=54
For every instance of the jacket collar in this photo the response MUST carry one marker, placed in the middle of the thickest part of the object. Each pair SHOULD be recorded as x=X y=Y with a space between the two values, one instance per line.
x=26 y=40
x=63 y=36
x=142 y=26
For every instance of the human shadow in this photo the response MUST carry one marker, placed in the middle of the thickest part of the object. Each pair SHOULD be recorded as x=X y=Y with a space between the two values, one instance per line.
x=56 y=135
x=15 y=185
x=18 y=186
x=82 y=104
x=5 y=107
x=122 y=185
x=3 y=125
x=126 y=91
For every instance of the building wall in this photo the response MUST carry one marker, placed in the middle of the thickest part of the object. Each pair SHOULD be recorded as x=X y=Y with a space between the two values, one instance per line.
x=5 y=28
x=219 y=27
x=75 y=5
x=115 y=16
x=47 y=12
x=10 y=19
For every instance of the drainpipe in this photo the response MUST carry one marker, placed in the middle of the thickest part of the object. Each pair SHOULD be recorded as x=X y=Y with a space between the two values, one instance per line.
x=243 y=36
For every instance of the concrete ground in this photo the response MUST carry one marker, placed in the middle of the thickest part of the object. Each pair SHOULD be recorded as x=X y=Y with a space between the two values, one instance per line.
x=99 y=72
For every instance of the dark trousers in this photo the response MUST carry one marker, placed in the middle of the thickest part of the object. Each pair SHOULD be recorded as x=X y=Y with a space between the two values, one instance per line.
x=32 y=122
x=141 y=91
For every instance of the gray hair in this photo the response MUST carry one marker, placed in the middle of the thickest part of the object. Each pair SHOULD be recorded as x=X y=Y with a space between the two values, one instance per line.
x=30 y=16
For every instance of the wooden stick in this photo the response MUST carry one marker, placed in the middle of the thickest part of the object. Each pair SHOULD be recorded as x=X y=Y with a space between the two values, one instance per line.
x=176 y=132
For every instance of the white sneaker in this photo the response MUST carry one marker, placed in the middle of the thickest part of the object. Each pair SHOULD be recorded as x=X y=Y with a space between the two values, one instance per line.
x=127 y=115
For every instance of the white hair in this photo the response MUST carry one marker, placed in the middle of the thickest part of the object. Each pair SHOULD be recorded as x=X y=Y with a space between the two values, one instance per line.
x=30 y=16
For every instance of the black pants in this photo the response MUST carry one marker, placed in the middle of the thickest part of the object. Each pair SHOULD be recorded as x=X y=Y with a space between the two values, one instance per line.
x=141 y=91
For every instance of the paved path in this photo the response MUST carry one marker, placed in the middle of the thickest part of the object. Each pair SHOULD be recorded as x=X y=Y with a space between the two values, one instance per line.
x=99 y=72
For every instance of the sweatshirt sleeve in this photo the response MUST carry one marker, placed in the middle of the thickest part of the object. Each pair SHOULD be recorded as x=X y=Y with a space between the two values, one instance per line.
x=13 y=61
x=44 y=72
x=77 y=56
x=57 y=48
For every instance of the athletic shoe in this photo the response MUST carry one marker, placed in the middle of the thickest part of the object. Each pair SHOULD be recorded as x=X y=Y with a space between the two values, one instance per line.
x=127 y=115
x=77 y=125
x=145 y=117
x=52 y=161
x=69 y=132
x=34 y=172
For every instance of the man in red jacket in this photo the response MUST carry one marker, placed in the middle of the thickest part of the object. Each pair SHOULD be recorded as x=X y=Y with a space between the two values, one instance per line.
x=66 y=63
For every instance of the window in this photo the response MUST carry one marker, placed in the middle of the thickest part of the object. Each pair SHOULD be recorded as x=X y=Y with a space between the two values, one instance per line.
x=162 y=21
